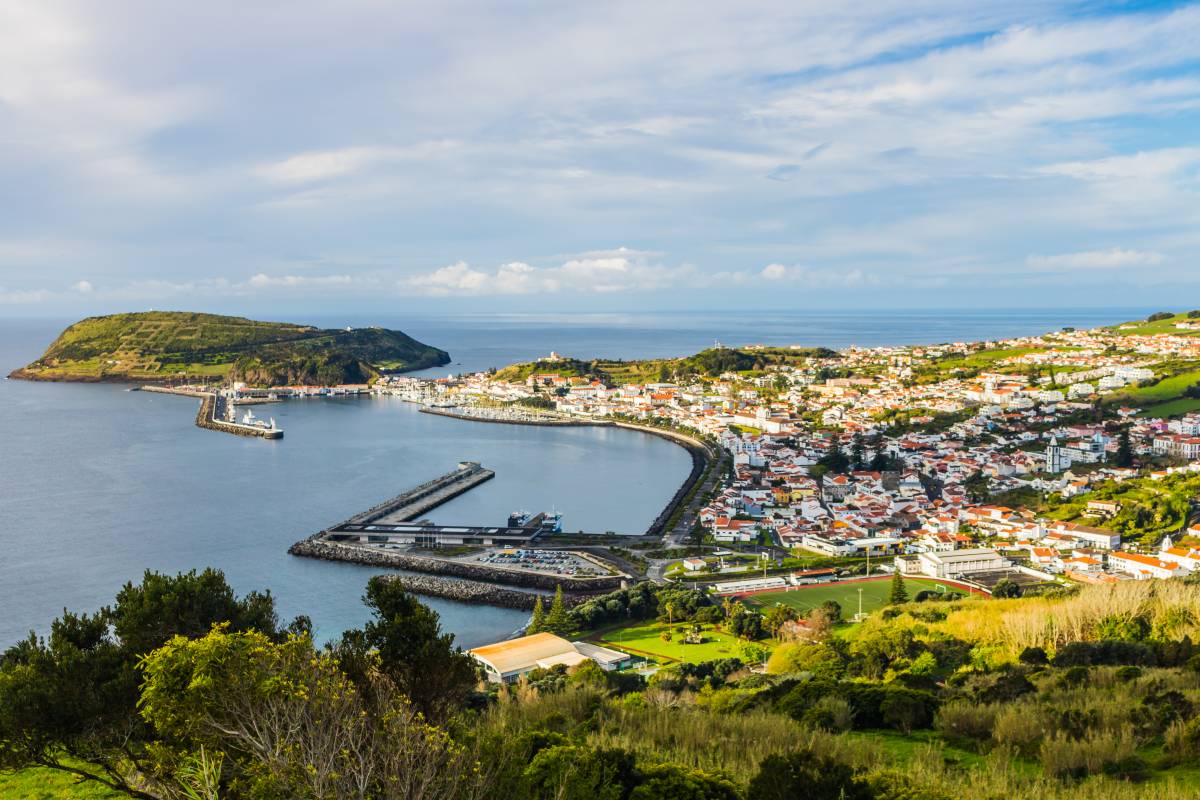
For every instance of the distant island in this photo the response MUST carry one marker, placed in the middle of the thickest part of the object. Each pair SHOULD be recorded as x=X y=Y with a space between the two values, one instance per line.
x=165 y=345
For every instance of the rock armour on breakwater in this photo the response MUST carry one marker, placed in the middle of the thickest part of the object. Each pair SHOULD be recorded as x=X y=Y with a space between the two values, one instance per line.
x=331 y=551
x=205 y=418
x=471 y=591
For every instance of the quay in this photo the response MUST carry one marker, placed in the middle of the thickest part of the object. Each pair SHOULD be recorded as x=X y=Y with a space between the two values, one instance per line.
x=408 y=506
x=394 y=523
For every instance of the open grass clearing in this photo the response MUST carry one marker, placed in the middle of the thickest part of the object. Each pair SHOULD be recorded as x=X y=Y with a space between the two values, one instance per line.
x=645 y=639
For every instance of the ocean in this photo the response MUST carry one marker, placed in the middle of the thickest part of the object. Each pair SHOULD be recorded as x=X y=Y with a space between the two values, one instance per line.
x=98 y=483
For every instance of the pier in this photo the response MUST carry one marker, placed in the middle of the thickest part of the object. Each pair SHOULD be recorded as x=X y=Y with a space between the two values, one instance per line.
x=408 y=506
x=395 y=522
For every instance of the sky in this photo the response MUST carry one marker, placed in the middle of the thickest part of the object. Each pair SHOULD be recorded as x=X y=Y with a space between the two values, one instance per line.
x=289 y=158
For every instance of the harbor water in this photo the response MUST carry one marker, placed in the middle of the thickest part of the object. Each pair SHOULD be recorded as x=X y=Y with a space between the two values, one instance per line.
x=98 y=483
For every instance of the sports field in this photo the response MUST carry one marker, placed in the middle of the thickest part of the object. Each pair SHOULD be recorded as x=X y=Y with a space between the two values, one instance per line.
x=875 y=594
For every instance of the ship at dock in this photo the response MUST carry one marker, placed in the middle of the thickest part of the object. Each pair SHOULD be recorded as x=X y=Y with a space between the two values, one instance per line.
x=268 y=429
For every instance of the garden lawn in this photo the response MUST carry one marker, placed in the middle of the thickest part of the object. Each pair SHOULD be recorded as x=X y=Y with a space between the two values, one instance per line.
x=645 y=639
x=874 y=595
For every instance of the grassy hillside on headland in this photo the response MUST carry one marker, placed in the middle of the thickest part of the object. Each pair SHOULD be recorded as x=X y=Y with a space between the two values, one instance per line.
x=163 y=345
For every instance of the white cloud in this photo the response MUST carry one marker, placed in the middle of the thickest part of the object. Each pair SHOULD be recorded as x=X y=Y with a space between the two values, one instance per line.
x=263 y=281
x=590 y=273
x=18 y=297
x=83 y=287
x=794 y=276
x=1115 y=258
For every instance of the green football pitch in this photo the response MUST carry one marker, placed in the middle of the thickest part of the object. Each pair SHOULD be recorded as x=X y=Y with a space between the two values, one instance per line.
x=875 y=593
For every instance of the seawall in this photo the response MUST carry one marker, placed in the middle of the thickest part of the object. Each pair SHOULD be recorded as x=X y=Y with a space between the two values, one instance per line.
x=206 y=418
x=332 y=551
x=465 y=591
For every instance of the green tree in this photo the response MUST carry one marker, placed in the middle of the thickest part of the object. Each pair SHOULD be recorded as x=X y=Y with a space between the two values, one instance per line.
x=570 y=772
x=406 y=638
x=558 y=621
x=70 y=704
x=978 y=487
x=538 y=619
x=898 y=593
x=835 y=460
x=858 y=451
x=674 y=782
x=804 y=774
x=1006 y=588
x=1124 y=449
x=292 y=722
x=777 y=615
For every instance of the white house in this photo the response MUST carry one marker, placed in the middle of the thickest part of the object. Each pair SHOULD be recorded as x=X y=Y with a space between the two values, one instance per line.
x=1142 y=567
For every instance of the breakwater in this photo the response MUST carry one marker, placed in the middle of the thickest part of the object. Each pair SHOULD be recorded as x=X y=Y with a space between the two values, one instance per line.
x=465 y=591
x=333 y=551
x=206 y=418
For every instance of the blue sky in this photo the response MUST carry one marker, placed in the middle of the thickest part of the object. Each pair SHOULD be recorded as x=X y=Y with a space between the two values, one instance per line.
x=289 y=158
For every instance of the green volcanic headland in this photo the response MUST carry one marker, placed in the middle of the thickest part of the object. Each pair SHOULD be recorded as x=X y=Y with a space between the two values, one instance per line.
x=166 y=345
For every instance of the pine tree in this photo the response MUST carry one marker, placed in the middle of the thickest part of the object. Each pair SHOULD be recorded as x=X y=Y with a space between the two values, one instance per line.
x=858 y=452
x=899 y=593
x=557 y=620
x=1124 y=449
x=538 y=620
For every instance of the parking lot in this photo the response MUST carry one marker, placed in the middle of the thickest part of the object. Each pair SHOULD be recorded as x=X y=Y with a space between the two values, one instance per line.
x=550 y=562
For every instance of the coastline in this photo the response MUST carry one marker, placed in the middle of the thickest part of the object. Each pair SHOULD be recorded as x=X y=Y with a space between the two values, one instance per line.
x=703 y=454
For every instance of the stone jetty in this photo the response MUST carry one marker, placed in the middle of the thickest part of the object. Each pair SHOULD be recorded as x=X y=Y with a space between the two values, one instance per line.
x=333 y=551
x=472 y=591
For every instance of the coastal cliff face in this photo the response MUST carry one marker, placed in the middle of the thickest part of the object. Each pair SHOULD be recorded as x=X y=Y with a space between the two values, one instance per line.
x=163 y=345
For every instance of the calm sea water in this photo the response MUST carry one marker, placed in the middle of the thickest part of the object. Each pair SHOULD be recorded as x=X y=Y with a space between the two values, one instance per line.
x=98 y=484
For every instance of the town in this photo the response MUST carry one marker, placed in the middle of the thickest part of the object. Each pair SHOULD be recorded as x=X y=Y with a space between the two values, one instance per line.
x=1074 y=455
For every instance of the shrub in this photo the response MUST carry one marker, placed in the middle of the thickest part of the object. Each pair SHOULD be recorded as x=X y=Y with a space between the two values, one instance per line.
x=1065 y=757
x=1035 y=656
x=832 y=714
x=965 y=720
x=805 y=774
x=1018 y=726
x=1128 y=673
x=1075 y=676
x=1182 y=739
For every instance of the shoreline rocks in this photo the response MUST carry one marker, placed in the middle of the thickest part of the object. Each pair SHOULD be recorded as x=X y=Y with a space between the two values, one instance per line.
x=465 y=591
x=357 y=554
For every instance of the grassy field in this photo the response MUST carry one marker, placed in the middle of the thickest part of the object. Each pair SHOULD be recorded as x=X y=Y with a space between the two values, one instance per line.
x=48 y=784
x=1167 y=389
x=1143 y=328
x=645 y=639
x=1171 y=408
x=874 y=595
